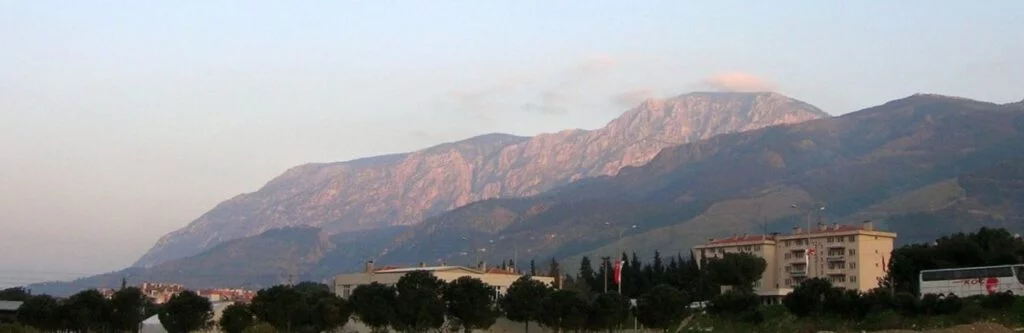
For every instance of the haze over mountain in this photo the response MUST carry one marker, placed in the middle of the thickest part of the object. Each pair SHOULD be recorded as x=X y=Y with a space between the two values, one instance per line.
x=404 y=189
x=922 y=166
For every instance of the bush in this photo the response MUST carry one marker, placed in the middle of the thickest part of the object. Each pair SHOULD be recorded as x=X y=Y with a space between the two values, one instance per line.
x=998 y=300
x=929 y=304
x=906 y=304
x=971 y=313
x=846 y=303
x=807 y=299
x=950 y=305
x=17 y=328
x=733 y=302
x=1018 y=309
x=883 y=319
x=260 y=328
x=878 y=300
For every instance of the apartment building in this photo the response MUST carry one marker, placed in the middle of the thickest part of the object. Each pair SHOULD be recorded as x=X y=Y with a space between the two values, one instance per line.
x=498 y=278
x=849 y=256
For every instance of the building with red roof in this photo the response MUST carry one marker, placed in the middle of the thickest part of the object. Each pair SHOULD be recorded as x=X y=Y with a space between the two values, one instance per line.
x=849 y=256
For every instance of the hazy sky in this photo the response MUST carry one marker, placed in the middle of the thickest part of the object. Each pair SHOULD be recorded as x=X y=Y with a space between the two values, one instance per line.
x=123 y=120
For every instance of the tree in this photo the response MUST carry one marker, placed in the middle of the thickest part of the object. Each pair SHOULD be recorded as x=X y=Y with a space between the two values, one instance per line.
x=533 y=268
x=587 y=276
x=739 y=270
x=808 y=299
x=470 y=303
x=17 y=294
x=608 y=311
x=522 y=301
x=236 y=318
x=40 y=312
x=564 y=310
x=307 y=306
x=420 y=305
x=555 y=271
x=280 y=306
x=129 y=307
x=985 y=247
x=330 y=313
x=662 y=307
x=374 y=304
x=186 y=312
x=86 y=311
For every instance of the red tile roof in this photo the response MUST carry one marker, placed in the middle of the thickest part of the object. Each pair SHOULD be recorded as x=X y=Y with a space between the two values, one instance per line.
x=500 y=271
x=741 y=239
x=828 y=229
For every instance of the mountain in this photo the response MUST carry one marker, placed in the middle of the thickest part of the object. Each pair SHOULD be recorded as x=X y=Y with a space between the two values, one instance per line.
x=404 y=189
x=922 y=166
x=273 y=257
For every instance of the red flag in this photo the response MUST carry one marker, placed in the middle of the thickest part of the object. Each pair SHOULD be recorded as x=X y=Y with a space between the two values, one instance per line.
x=618 y=271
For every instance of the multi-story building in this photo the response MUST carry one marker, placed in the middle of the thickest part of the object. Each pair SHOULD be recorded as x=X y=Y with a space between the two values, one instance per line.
x=852 y=257
x=498 y=278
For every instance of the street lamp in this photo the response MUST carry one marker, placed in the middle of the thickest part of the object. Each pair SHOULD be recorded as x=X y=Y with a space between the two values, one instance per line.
x=618 y=244
x=807 y=232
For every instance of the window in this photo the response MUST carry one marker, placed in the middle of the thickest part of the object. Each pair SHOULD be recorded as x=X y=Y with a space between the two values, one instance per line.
x=970 y=273
x=853 y=252
x=1019 y=270
x=787 y=268
x=787 y=243
x=853 y=278
x=346 y=291
x=788 y=255
x=850 y=239
x=789 y=282
x=853 y=265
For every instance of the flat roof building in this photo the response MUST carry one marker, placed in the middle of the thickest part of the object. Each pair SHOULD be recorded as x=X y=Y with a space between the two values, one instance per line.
x=851 y=257
x=500 y=279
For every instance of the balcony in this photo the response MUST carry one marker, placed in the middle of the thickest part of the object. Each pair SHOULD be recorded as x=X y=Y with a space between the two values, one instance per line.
x=798 y=273
x=835 y=258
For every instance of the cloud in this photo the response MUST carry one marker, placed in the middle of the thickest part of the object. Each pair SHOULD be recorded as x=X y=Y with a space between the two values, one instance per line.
x=738 y=82
x=631 y=98
x=554 y=99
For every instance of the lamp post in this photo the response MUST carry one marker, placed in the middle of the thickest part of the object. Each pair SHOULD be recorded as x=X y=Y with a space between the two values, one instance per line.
x=618 y=244
x=807 y=232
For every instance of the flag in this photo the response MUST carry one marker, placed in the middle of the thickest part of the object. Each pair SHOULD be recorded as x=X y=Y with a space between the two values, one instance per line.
x=618 y=271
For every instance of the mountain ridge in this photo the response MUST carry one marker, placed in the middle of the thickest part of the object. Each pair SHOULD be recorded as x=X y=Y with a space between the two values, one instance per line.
x=935 y=162
x=406 y=188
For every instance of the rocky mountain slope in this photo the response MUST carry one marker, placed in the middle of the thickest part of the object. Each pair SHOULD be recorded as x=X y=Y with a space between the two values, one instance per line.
x=926 y=160
x=404 y=189
x=921 y=166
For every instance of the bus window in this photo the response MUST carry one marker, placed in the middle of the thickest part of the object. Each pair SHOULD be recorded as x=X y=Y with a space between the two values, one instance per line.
x=1019 y=270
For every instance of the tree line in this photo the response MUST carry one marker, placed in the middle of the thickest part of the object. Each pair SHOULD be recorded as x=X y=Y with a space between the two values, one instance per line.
x=588 y=300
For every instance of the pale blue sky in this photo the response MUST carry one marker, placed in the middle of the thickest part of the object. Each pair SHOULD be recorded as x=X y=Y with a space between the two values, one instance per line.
x=123 y=120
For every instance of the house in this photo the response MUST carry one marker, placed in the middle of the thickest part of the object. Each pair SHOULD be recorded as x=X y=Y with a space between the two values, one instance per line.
x=9 y=311
x=500 y=279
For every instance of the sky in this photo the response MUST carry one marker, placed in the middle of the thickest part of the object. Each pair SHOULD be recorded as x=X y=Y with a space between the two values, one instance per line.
x=121 y=121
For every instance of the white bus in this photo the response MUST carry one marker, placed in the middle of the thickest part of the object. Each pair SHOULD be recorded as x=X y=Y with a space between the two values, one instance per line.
x=972 y=281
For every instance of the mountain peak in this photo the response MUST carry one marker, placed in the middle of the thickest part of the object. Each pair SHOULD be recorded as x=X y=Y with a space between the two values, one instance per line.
x=405 y=189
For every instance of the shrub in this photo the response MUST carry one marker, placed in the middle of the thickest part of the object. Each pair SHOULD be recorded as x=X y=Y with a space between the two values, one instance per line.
x=998 y=300
x=884 y=319
x=929 y=304
x=17 y=328
x=906 y=303
x=878 y=300
x=846 y=303
x=971 y=312
x=807 y=298
x=733 y=302
x=1018 y=309
x=951 y=305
